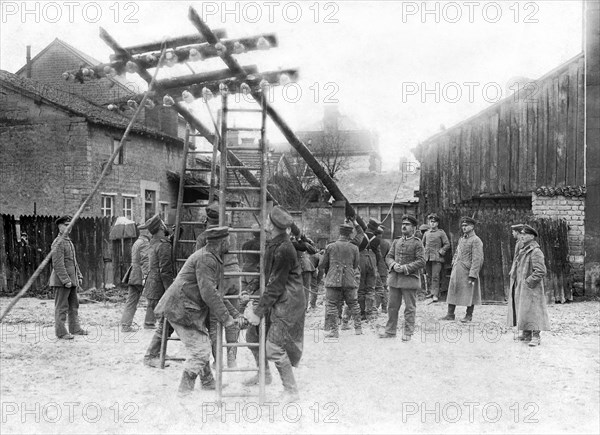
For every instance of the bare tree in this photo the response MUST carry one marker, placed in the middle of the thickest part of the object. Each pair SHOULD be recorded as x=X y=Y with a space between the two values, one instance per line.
x=292 y=187
x=332 y=152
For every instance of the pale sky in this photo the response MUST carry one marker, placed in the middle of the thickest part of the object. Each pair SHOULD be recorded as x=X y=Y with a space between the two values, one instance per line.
x=375 y=59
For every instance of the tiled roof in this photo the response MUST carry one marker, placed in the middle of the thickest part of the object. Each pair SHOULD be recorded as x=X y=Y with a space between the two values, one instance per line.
x=77 y=105
x=379 y=188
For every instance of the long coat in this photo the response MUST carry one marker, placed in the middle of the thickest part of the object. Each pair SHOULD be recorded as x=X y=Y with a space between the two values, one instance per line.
x=139 y=261
x=283 y=297
x=64 y=264
x=341 y=264
x=436 y=245
x=405 y=251
x=160 y=274
x=466 y=264
x=194 y=292
x=527 y=308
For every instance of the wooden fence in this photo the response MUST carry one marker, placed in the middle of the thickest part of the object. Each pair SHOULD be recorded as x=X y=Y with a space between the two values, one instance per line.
x=101 y=260
x=498 y=248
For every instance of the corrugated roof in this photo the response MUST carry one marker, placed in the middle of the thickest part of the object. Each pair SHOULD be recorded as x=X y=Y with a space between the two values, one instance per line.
x=78 y=105
x=379 y=188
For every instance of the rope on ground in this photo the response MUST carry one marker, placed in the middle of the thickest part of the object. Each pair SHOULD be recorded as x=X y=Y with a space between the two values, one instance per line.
x=106 y=170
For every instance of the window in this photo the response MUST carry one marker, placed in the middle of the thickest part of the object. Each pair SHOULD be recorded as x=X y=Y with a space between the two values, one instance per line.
x=107 y=205
x=128 y=208
x=149 y=203
x=120 y=159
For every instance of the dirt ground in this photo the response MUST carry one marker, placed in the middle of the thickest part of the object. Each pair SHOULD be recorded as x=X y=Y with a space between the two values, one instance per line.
x=451 y=378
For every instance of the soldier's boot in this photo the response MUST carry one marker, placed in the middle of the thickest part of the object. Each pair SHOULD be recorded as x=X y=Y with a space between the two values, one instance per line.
x=450 y=315
x=535 y=339
x=207 y=379
x=333 y=332
x=357 y=325
x=469 y=315
x=231 y=357
x=290 y=389
x=253 y=380
x=524 y=336
x=377 y=301
x=186 y=386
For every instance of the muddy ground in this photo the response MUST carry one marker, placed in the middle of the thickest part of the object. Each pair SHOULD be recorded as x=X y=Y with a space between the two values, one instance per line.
x=450 y=378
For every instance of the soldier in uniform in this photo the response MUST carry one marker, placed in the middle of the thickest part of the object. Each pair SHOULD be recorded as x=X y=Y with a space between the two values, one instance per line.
x=250 y=263
x=283 y=302
x=135 y=281
x=373 y=234
x=381 y=294
x=436 y=245
x=464 y=288
x=404 y=260
x=187 y=302
x=231 y=287
x=368 y=277
x=316 y=260
x=341 y=263
x=527 y=308
x=160 y=277
x=305 y=248
x=65 y=279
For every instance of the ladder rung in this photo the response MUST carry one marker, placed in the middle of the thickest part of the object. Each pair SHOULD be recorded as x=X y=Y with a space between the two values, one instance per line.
x=241 y=230
x=241 y=273
x=243 y=149
x=198 y=169
x=193 y=204
x=186 y=241
x=243 y=208
x=250 y=168
x=238 y=296
x=244 y=110
x=243 y=188
x=191 y=223
x=225 y=369
x=196 y=186
x=174 y=338
x=174 y=359
x=241 y=344
x=244 y=128
x=199 y=151
x=181 y=260
x=240 y=251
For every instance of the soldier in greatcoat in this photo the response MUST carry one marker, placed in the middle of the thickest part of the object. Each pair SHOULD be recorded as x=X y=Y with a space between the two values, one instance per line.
x=282 y=302
x=341 y=266
x=527 y=308
x=404 y=261
x=135 y=281
x=65 y=279
x=187 y=303
x=464 y=288
x=436 y=245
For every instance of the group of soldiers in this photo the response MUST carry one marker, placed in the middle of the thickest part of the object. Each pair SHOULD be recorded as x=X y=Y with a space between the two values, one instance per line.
x=360 y=269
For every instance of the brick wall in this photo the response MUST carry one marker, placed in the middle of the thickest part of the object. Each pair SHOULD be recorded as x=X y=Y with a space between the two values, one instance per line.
x=572 y=209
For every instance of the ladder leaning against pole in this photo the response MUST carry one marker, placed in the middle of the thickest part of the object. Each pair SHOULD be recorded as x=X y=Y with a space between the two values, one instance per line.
x=224 y=189
x=180 y=223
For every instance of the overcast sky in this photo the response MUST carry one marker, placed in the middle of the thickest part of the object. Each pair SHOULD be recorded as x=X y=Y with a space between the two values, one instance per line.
x=375 y=59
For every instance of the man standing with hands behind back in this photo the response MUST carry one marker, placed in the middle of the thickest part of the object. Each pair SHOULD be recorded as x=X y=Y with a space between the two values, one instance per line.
x=65 y=279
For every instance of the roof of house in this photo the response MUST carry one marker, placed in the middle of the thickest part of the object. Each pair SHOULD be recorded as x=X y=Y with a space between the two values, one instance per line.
x=379 y=188
x=78 y=105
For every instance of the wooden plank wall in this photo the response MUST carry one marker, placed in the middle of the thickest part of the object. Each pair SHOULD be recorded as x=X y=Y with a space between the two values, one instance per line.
x=513 y=147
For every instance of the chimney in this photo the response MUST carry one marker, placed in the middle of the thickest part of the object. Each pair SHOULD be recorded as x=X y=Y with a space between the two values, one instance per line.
x=28 y=58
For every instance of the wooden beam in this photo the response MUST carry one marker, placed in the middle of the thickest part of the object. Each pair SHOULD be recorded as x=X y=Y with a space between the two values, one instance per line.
x=178 y=41
x=195 y=79
x=298 y=145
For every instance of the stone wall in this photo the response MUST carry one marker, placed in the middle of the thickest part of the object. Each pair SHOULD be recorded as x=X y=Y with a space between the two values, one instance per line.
x=572 y=209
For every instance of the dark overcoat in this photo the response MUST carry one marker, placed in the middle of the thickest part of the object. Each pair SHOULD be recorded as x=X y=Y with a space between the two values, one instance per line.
x=160 y=268
x=64 y=264
x=139 y=261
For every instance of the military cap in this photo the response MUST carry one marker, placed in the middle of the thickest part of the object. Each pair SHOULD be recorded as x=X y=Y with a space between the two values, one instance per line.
x=66 y=219
x=517 y=227
x=216 y=233
x=433 y=217
x=280 y=217
x=424 y=227
x=410 y=219
x=153 y=224
x=346 y=229
x=212 y=210
x=467 y=220
x=373 y=224
x=529 y=230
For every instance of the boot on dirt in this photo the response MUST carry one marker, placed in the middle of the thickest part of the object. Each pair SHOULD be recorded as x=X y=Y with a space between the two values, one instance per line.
x=290 y=389
x=524 y=336
x=231 y=357
x=450 y=315
x=188 y=379
x=535 y=339
x=254 y=379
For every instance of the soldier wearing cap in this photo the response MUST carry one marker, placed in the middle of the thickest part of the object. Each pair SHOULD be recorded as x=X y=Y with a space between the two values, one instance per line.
x=341 y=263
x=250 y=263
x=231 y=287
x=382 y=294
x=436 y=245
x=282 y=302
x=160 y=265
x=464 y=288
x=373 y=234
x=404 y=260
x=527 y=308
x=135 y=281
x=515 y=230
x=304 y=248
x=65 y=279
x=316 y=277
x=368 y=277
x=187 y=302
